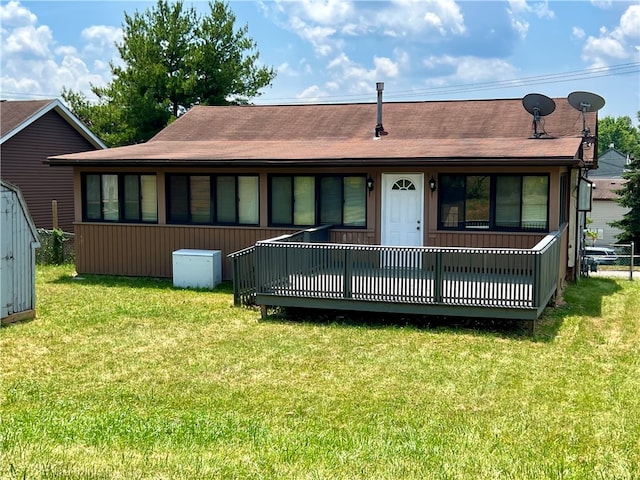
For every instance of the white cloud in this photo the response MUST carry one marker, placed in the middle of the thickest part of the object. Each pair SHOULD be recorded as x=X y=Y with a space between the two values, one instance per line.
x=602 y=4
x=347 y=77
x=600 y=51
x=102 y=35
x=518 y=6
x=285 y=69
x=630 y=23
x=13 y=15
x=473 y=69
x=385 y=67
x=326 y=12
x=28 y=40
x=358 y=77
x=327 y=24
x=311 y=94
x=101 y=41
x=33 y=63
x=401 y=18
x=520 y=26
x=318 y=36
x=65 y=50
x=577 y=32
x=616 y=45
x=542 y=10
x=470 y=69
x=520 y=11
x=332 y=86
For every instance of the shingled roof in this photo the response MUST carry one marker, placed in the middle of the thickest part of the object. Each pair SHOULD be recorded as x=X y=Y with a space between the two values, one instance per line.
x=13 y=114
x=496 y=131
x=606 y=188
x=16 y=115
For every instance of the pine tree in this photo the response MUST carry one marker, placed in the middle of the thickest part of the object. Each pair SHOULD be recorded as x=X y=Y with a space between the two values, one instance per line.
x=172 y=59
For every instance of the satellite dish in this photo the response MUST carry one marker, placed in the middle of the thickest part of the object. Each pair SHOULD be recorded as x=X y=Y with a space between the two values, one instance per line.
x=585 y=102
x=538 y=105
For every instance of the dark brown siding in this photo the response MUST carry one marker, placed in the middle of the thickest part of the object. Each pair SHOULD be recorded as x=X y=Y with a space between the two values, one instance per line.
x=485 y=240
x=146 y=250
x=22 y=157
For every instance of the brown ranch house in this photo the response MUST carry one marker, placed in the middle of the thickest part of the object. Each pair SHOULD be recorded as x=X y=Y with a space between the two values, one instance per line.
x=437 y=207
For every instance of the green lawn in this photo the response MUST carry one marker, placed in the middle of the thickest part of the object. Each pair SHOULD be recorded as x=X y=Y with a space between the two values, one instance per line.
x=131 y=378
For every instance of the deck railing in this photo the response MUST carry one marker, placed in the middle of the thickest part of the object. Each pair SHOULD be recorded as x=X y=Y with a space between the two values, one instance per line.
x=451 y=277
x=244 y=262
x=244 y=276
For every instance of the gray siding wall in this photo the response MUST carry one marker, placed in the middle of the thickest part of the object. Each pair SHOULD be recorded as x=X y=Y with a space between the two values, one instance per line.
x=603 y=212
x=17 y=256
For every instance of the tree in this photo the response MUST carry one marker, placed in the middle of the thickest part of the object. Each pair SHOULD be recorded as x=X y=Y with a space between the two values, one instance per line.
x=172 y=59
x=629 y=197
x=619 y=132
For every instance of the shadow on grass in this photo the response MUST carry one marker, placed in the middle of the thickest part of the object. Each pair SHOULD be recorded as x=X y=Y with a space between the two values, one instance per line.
x=357 y=319
x=110 y=281
x=583 y=298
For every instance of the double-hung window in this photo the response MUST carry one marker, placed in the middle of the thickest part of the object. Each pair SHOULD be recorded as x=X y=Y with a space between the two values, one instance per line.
x=118 y=197
x=212 y=199
x=307 y=200
x=494 y=202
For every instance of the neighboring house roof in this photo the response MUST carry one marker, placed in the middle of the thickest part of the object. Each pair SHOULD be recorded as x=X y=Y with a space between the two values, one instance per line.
x=605 y=188
x=611 y=164
x=446 y=132
x=16 y=115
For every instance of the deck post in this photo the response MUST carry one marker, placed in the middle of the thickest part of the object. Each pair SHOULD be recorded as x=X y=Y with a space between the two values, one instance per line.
x=438 y=278
x=537 y=287
x=236 y=281
x=346 y=281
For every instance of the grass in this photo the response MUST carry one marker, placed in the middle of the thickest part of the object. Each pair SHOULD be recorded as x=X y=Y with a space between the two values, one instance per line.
x=130 y=378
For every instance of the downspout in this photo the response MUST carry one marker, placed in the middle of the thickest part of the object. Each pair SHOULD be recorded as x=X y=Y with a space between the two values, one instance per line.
x=577 y=241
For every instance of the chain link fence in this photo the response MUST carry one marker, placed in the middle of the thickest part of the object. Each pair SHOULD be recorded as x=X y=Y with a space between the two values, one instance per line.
x=620 y=260
x=57 y=247
x=627 y=256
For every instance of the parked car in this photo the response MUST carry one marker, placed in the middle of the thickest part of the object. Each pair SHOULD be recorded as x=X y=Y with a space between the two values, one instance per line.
x=601 y=255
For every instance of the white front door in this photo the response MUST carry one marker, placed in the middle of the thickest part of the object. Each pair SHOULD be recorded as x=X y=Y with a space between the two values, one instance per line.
x=402 y=209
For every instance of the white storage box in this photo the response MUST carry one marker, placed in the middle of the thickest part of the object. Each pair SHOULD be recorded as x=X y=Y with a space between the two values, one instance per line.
x=197 y=268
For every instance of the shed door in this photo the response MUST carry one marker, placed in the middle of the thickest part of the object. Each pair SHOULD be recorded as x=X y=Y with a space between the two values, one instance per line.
x=402 y=209
x=6 y=254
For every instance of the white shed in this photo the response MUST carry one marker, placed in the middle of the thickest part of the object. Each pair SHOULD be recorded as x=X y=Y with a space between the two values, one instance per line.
x=18 y=243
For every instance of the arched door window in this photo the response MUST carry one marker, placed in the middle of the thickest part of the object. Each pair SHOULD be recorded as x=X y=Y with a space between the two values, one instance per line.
x=403 y=184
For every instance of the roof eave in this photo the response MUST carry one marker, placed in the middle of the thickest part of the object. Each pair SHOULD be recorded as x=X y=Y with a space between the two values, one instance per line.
x=328 y=162
x=65 y=113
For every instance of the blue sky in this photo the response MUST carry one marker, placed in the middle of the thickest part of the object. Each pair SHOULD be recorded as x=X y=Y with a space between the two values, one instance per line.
x=336 y=50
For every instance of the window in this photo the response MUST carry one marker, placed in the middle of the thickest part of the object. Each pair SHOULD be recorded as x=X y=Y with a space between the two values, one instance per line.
x=212 y=199
x=305 y=200
x=494 y=202
x=403 y=184
x=112 y=197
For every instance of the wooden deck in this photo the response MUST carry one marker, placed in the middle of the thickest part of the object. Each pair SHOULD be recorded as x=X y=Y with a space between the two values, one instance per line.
x=489 y=283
